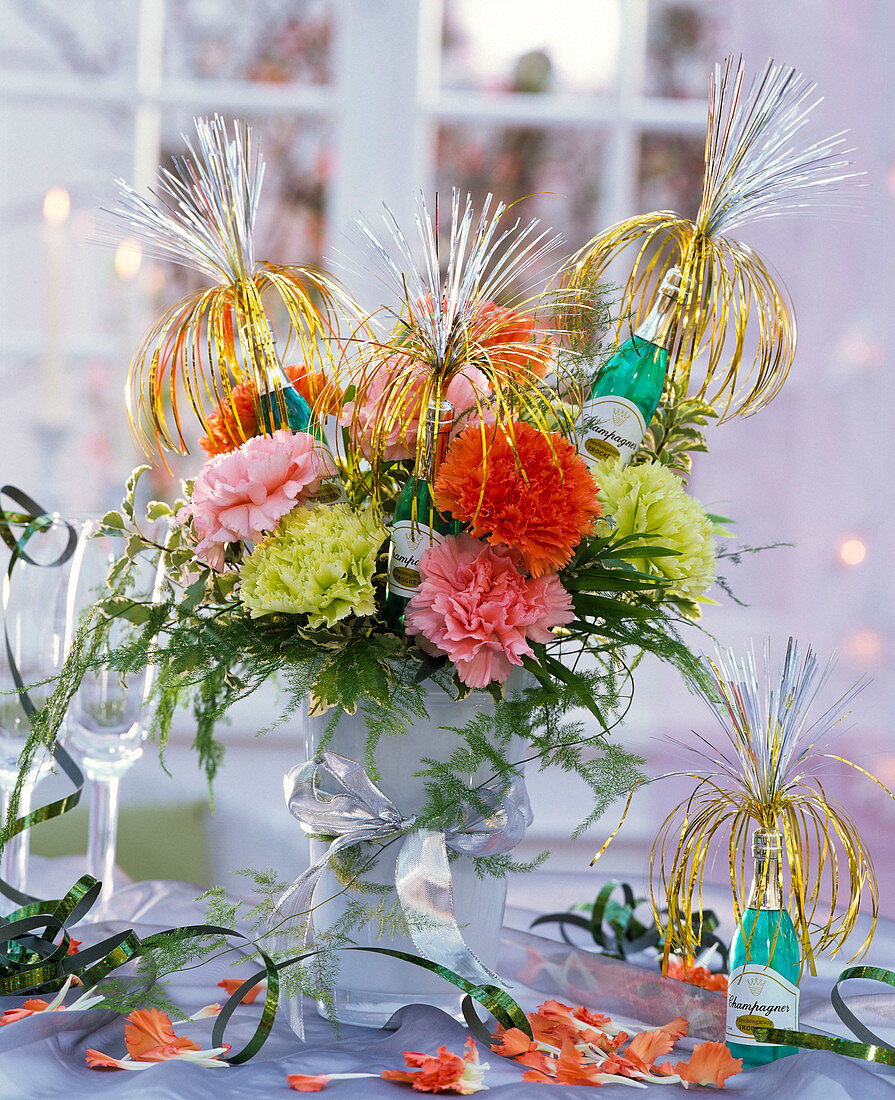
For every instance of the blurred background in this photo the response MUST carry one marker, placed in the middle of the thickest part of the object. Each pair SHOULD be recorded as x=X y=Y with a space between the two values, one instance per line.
x=589 y=110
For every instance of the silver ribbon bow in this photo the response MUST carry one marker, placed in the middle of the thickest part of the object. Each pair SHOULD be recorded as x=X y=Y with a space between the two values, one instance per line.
x=422 y=870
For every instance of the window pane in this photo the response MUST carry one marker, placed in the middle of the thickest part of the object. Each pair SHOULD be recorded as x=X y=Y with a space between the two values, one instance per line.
x=269 y=41
x=682 y=47
x=670 y=175
x=502 y=45
x=554 y=173
x=89 y=37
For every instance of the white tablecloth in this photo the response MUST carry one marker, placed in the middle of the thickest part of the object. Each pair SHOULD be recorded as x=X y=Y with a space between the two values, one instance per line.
x=42 y=1056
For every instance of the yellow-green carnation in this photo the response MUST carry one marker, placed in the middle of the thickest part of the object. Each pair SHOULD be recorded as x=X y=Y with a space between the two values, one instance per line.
x=318 y=562
x=650 y=500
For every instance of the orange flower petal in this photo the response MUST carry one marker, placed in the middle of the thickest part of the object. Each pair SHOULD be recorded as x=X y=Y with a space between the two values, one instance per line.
x=11 y=1015
x=97 y=1060
x=511 y=1042
x=571 y=1069
x=443 y=1071
x=232 y=984
x=648 y=1046
x=149 y=1036
x=399 y=1075
x=305 y=1082
x=710 y=1064
x=676 y=1029
x=540 y=1078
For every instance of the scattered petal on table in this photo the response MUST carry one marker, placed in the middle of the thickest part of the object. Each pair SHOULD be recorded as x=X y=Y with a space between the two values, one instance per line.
x=710 y=1064
x=149 y=1036
x=232 y=984
x=647 y=1046
x=443 y=1071
x=676 y=1029
x=97 y=1060
x=303 y=1082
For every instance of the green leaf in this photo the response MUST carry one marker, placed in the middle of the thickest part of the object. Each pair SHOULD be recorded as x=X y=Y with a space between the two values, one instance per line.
x=158 y=509
x=112 y=522
x=121 y=607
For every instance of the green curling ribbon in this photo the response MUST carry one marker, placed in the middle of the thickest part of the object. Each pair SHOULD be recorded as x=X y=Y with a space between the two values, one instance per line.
x=35 y=519
x=869 y=1047
x=629 y=935
x=495 y=1000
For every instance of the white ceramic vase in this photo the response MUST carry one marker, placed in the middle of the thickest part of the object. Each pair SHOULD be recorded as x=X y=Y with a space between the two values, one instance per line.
x=369 y=987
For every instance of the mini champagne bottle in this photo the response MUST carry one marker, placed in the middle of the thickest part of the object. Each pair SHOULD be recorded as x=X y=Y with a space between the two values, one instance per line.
x=763 y=987
x=417 y=523
x=629 y=386
x=281 y=396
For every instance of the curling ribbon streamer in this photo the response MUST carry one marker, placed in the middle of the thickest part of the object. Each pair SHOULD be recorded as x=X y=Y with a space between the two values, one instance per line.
x=869 y=1047
x=627 y=935
x=422 y=871
x=35 y=519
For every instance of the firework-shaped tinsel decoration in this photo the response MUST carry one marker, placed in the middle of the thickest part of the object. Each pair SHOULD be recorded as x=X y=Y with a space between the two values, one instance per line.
x=217 y=347
x=758 y=164
x=764 y=771
x=466 y=328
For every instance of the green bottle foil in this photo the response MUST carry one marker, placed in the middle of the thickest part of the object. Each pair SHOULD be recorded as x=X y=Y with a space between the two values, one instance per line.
x=764 y=962
x=629 y=386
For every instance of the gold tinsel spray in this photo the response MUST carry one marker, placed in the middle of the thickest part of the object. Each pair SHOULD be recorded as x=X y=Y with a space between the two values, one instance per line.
x=758 y=164
x=203 y=217
x=765 y=770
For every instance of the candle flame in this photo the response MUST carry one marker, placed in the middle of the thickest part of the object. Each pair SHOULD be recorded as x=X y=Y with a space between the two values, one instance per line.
x=128 y=259
x=852 y=551
x=57 y=206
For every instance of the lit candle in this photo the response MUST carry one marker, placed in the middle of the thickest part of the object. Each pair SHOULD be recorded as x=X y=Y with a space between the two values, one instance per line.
x=57 y=206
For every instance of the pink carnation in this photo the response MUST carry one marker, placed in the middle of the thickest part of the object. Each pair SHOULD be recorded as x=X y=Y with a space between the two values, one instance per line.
x=477 y=607
x=385 y=415
x=240 y=495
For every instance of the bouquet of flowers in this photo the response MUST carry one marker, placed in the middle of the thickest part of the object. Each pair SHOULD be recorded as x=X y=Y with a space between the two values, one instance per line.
x=409 y=498
x=457 y=424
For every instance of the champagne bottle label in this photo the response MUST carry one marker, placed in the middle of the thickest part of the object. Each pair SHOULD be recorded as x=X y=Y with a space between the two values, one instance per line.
x=758 y=996
x=613 y=427
x=409 y=541
x=330 y=492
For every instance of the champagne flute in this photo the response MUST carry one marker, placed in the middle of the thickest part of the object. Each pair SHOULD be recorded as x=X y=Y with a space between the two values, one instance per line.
x=106 y=722
x=31 y=653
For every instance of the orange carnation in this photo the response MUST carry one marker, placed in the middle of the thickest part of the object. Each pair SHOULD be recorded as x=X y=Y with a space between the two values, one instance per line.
x=226 y=432
x=317 y=388
x=520 y=486
x=512 y=342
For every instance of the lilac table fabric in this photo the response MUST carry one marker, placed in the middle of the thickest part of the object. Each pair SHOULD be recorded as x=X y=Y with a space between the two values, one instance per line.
x=43 y=1056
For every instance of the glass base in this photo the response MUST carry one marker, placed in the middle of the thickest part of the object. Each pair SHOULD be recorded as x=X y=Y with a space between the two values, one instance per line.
x=368 y=1009
x=761 y=1055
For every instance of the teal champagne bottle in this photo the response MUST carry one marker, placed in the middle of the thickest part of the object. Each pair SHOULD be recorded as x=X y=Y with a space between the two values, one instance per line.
x=417 y=523
x=281 y=398
x=762 y=989
x=629 y=386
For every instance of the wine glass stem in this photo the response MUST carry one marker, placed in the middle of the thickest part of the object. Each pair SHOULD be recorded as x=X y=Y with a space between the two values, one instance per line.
x=14 y=862
x=103 y=832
